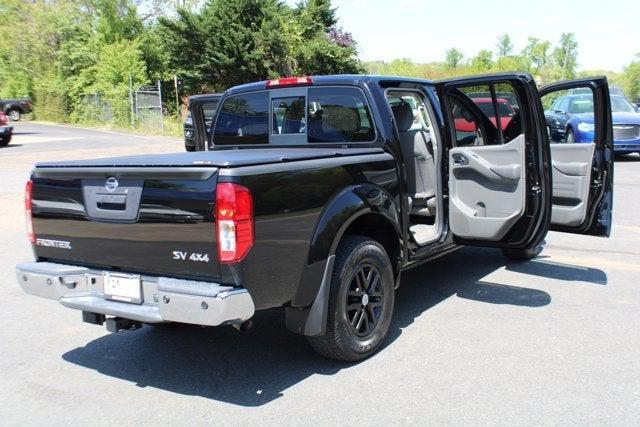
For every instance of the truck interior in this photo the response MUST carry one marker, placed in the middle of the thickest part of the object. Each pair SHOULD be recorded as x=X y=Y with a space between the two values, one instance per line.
x=421 y=152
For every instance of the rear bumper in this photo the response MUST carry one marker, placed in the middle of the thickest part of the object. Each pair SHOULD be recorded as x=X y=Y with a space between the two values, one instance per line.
x=164 y=299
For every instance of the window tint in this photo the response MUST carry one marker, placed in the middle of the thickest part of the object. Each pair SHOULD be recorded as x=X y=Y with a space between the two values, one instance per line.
x=243 y=119
x=486 y=114
x=338 y=115
x=209 y=110
x=288 y=115
x=582 y=104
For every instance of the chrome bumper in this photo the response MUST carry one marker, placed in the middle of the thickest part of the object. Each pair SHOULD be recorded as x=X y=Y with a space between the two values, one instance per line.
x=164 y=299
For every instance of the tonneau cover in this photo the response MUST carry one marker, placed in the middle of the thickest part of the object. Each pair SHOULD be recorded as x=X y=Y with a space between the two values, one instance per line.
x=216 y=158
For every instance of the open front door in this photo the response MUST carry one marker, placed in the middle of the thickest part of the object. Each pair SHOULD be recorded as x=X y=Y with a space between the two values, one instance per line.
x=496 y=155
x=580 y=130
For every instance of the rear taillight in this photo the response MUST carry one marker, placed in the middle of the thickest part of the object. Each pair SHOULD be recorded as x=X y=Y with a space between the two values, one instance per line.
x=234 y=222
x=289 y=81
x=28 y=206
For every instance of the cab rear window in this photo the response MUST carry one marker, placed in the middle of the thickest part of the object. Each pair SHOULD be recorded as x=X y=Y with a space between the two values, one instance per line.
x=308 y=115
x=243 y=120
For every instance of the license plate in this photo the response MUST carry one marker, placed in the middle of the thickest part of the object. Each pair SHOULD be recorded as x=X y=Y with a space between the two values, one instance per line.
x=123 y=287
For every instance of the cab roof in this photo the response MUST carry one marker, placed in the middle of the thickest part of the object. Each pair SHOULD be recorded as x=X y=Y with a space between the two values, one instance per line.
x=336 y=79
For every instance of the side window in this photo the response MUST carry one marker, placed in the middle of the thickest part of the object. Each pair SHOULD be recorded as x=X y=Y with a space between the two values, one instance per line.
x=338 y=115
x=569 y=115
x=486 y=114
x=243 y=120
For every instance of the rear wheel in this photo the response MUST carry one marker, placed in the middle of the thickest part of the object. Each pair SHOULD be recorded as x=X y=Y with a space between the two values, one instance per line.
x=361 y=301
x=4 y=141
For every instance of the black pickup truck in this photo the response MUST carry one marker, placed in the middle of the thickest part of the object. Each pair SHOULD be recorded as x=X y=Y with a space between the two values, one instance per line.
x=313 y=194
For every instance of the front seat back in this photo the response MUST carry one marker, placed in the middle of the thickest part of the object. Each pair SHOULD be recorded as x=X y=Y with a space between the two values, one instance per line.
x=417 y=150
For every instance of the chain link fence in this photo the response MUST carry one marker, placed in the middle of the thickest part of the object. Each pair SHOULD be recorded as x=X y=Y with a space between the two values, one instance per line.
x=147 y=107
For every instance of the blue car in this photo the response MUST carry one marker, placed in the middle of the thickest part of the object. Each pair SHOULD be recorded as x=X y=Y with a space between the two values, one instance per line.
x=570 y=119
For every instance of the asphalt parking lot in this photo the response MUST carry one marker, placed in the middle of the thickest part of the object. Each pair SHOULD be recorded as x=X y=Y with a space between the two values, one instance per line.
x=475 y=340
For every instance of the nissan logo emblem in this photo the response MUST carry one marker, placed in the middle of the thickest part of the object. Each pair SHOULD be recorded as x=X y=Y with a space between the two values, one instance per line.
x=111 y=184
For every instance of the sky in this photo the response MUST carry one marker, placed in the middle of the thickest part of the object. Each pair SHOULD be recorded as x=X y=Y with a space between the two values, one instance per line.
x=607 y=31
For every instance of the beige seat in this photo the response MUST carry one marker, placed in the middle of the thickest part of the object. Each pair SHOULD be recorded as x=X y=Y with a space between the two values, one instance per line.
x=417 y=150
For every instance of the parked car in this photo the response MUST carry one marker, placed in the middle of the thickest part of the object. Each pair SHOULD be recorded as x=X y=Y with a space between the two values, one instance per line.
x=505 y=111
x=571 y=119
x=511 y=98
x=15 y=108
x=312 y=196
x=209 y=104
x=6 y=131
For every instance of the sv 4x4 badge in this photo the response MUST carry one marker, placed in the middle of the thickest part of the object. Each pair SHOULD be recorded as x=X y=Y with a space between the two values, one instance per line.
x=186 y=256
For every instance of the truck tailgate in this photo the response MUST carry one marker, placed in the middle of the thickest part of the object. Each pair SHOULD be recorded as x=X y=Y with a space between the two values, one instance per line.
x=153 y=220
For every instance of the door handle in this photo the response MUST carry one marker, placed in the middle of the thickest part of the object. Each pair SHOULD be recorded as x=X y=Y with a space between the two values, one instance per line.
x=460 y=159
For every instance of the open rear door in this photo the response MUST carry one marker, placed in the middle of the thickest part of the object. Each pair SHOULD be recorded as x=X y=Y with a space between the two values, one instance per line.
x=496 y=155
x=579 y=125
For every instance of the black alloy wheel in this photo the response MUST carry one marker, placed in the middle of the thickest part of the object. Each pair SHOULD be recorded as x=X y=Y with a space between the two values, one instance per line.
x=365 y=300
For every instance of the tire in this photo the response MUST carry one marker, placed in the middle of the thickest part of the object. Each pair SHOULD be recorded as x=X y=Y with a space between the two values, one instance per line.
x=5 y=141
x=523 y=254
x=190 y=147
x=569 y=138
x=357 y=325
x=14 y=114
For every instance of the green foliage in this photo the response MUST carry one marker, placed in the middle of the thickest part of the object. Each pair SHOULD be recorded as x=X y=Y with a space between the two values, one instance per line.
x=504 y=46
x=630 y=81
x=454 y=56
x=75 y=58
x=566 y=55
x=254 y=40
x=117 y=63
x=545 y=62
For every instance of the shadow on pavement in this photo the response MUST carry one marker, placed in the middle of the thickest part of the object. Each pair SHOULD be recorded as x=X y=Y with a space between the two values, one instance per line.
x=256 y=367
x=555 y=270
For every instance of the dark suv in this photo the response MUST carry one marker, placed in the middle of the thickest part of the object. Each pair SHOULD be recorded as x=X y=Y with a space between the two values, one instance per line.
x=15 y=108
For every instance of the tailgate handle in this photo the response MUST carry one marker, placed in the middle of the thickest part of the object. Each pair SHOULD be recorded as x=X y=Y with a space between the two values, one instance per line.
x=116 y=202
x=112 y=199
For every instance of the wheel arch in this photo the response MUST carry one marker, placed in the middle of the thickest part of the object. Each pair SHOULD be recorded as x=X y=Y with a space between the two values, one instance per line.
x=361 y=209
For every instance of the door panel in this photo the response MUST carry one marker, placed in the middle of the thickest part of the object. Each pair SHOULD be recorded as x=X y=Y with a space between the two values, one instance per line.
x=571 y=181
x=582 y=171
x=487 y=189
x=496 y=160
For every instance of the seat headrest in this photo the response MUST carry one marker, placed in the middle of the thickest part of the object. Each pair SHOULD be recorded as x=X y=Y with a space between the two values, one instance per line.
x=403 y=114
x=339 y=118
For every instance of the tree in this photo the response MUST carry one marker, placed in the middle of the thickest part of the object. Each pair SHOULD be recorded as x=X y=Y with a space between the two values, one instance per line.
x=117 y=64
x=566 y=55
x=631 y=79
x=504 y=46
x=537 y=52
x=453 y=57
x=483 y=61
x=255 y=40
